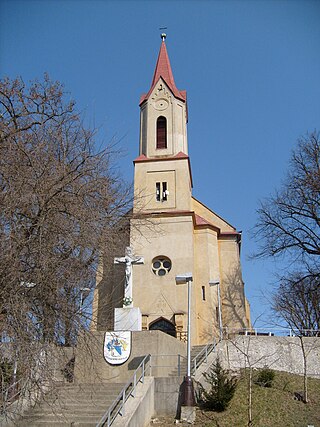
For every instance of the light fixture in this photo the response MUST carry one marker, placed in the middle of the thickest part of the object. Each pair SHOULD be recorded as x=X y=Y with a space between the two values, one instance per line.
x=188 y=398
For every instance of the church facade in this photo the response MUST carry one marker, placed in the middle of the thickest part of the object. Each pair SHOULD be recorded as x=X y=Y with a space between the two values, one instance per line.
x=174 y=232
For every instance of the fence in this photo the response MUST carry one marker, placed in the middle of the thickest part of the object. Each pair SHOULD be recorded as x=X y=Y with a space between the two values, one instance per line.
x=280 y=332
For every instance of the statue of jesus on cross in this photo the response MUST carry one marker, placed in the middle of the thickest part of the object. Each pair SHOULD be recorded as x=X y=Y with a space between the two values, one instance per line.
x=128 y=260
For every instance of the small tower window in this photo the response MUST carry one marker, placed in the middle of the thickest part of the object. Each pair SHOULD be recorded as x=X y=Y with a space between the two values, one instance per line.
x=162 y=191
x=203 y=289
x=161 y=132
x=158 y=189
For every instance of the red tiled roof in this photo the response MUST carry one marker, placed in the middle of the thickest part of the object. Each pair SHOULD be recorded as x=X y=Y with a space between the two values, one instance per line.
x=181 y=155
x=201 y=221
x=143 y=158
x=140 y=158
x=163 y=69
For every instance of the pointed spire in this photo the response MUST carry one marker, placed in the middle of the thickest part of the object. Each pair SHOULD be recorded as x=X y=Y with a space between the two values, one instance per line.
x=163 y=70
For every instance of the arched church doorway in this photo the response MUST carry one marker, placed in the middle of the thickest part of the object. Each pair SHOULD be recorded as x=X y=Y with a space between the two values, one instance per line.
x=163 y=325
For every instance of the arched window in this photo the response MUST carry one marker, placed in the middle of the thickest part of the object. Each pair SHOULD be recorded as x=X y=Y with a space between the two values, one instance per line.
x=163 y=325
x=161 y=132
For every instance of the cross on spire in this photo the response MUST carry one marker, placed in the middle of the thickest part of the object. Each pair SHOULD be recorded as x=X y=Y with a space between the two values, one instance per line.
x=163 y=70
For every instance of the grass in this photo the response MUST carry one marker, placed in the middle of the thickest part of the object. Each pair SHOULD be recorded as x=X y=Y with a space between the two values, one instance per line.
x=271 y=407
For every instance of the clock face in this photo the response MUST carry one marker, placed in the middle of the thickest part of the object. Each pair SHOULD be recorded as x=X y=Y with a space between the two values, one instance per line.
x=161 y=104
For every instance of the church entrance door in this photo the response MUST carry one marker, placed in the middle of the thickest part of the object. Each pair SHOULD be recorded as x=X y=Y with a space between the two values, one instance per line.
x=163 y=325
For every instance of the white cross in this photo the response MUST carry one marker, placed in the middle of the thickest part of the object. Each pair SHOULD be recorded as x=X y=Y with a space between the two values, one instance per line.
x=128 y=260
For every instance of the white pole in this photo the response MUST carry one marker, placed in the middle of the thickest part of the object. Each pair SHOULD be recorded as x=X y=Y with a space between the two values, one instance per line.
x=189 y=329
x=220 y=315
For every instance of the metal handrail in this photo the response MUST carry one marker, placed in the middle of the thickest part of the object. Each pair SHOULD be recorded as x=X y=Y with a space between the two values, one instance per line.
x=117 y=406
x=272 y=332
x=196 y=361
x=202 y=355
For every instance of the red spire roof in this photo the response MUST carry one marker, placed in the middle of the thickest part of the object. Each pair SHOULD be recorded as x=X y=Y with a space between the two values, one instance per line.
x=163 y=69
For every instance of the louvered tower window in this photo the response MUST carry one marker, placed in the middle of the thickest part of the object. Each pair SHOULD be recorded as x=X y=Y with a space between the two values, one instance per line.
x=161 y=132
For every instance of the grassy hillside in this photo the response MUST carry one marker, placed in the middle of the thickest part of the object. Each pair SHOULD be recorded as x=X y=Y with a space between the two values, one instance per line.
x=270 y=406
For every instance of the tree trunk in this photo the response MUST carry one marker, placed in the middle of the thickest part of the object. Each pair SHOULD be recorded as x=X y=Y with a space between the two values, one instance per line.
x=305 y=377
x=250 y=398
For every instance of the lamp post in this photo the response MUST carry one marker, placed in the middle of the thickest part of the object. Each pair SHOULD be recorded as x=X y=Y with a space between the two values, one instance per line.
x=217 y=283
x=188 y=398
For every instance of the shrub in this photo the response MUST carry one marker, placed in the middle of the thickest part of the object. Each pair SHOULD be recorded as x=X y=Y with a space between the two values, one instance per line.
x=265 y=377
x=222 y=388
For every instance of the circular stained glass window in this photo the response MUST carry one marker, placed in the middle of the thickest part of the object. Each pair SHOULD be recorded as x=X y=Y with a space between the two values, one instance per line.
x=161 y=266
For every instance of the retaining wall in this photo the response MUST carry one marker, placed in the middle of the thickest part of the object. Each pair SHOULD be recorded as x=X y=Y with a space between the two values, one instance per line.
x=91 y=366
x=279 y=353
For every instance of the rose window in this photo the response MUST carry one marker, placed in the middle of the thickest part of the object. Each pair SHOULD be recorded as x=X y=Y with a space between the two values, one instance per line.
x=161 y=266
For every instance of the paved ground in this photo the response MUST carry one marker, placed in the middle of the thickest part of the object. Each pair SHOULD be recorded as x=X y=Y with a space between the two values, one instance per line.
x=202 y=419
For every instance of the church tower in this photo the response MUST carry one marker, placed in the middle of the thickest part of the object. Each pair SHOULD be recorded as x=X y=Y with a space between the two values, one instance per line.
x=162 y=170
x=173 y=232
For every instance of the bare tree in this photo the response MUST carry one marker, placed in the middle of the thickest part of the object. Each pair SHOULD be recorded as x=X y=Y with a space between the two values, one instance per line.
x=60 y=202
x=289 y=221
x=297 y=301
x=289 y=225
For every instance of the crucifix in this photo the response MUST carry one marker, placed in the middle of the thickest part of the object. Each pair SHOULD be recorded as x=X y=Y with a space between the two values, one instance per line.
x=128 y=260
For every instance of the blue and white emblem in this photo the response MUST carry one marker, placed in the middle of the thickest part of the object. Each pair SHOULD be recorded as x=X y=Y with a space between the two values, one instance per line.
x=117 y=347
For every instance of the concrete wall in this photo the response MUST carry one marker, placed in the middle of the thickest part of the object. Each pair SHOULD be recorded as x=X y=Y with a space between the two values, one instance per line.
x=91 y=366
x=166 y=395
x=279 y=353
x=156 y=397
x=140 y=409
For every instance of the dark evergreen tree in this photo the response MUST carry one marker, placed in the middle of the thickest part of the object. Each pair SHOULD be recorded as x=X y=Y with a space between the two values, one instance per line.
x=222 y=388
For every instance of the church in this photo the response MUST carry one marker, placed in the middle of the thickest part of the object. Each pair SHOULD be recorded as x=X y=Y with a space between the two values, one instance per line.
x=173 y=233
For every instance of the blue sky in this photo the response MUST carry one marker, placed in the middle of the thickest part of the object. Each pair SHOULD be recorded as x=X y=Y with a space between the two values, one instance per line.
x=251 y=70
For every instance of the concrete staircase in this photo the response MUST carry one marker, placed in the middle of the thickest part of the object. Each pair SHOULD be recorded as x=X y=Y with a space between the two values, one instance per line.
x=72 y=405
x=195 y=350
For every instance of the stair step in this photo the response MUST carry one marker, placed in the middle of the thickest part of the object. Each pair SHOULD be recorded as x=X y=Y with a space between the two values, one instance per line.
x=82 y=405
x=44 y=423
x=195 y=350
x=69 y=409
x=83 y=396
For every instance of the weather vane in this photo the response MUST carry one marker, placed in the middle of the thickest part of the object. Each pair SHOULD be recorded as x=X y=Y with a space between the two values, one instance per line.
x=163 y=35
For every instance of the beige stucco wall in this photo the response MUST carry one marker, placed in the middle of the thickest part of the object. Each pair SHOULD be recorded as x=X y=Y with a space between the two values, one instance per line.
x=160 y=296
x=232 y=288
x=177 y=175
x=210 y=216
x=206 y=268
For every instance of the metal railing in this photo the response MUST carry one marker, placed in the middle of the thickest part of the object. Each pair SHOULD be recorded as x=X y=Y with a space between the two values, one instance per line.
x=280 y=332
x=118 y=406
x=196 y=361
x=202 y=356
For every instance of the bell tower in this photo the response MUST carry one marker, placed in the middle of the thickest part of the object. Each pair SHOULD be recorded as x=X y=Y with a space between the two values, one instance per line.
x=162 y=170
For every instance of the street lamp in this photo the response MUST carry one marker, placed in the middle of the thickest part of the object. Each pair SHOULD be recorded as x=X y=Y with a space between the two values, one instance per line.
x=188 y=392
x=217 y=283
